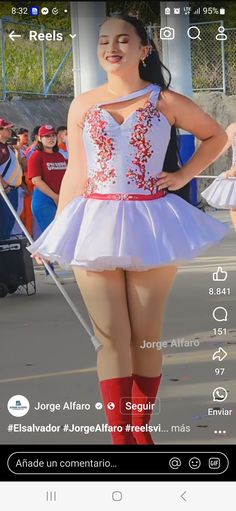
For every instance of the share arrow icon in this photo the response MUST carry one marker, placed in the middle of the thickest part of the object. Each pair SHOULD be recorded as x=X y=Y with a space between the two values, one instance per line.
x=220 y=354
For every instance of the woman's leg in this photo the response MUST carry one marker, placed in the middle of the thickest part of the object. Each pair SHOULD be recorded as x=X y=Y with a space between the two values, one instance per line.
x=147 y=294
x=233 y=216
x=104 y=294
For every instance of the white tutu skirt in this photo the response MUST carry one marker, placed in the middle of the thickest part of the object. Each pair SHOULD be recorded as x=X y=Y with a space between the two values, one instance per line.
x=134 y=235
x=221 y=193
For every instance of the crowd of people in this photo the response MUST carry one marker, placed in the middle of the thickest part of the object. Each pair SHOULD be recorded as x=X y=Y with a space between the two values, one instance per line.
x=17 y=168
x=31 y=173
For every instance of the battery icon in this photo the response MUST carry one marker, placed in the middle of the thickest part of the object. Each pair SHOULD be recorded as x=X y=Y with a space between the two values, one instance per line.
x=222 y=11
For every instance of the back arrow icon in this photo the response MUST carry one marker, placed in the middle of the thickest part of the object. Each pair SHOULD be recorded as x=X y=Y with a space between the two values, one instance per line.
x=12 y=35
x=182 y=496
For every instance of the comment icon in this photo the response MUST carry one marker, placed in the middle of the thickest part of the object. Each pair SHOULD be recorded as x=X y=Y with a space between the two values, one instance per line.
x=220 y=314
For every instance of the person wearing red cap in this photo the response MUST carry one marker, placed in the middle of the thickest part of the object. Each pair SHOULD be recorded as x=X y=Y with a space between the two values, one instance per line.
x=10 y=178
x=46 y=168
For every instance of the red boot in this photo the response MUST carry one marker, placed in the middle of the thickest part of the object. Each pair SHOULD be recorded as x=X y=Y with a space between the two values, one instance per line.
x=116 y=390
x=144 y=391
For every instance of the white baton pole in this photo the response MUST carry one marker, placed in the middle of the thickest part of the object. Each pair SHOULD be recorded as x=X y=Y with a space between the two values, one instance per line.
x=97 y=344
x=217 y=177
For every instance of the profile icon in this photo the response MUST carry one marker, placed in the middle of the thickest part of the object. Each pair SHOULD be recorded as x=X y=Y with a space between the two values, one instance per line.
x=221 y=36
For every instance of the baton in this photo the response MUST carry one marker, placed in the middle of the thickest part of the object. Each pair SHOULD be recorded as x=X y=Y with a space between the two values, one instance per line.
x=216 y=177
x=97 y=344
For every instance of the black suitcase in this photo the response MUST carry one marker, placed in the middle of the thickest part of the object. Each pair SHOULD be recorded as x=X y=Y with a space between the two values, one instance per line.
x=16 y=266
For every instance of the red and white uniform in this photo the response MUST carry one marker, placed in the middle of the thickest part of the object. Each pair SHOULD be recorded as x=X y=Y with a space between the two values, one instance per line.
x=122 y=220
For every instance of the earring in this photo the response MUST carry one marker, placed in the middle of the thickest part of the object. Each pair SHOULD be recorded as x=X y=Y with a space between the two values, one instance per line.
x=144 y=63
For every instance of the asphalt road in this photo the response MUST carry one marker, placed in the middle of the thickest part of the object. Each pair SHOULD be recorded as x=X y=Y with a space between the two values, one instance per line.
x=47 y=357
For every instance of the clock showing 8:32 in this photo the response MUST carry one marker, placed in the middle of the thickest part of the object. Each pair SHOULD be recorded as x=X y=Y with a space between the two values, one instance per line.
x=19 y=10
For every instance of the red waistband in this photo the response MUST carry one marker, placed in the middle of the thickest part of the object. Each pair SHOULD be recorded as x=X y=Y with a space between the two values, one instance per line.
x=125 y=196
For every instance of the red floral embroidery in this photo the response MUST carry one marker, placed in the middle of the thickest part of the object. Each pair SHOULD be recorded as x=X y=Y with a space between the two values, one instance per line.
x=144 y=149
x=105 y=148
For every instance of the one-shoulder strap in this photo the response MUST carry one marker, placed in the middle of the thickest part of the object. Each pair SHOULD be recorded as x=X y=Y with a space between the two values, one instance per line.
x=155 y=94
x=141 y=92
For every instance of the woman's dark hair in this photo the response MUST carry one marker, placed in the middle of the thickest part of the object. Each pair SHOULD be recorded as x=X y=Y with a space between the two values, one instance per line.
x=61 y=128
x=35 y=133
x=40 y=147
x=21 y=131
x=153 y=72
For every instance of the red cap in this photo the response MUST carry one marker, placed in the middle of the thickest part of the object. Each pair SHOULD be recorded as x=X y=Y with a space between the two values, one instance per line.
x=45 y=130
x=5 y=124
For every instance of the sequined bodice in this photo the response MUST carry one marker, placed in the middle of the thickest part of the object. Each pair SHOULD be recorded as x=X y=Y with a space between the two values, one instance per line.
x=126 y=157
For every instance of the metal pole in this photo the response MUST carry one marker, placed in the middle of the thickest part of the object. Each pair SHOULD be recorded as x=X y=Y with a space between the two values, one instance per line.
x=85 y=20
x=66 y=56
x=223 y=61
x=4 y=85
x=75 y=48
x=44 y=63
x=97 y=344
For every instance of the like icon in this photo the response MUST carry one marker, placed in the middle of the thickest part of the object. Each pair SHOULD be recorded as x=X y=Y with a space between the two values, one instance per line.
x=220 y=275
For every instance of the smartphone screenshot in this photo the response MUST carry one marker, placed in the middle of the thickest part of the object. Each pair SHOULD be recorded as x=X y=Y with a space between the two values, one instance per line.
x=117 y=255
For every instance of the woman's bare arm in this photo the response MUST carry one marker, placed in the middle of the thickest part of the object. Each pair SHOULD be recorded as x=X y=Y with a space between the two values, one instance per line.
x=191 y=118
x=44 y=188
x=230 y=131
x=75 y=177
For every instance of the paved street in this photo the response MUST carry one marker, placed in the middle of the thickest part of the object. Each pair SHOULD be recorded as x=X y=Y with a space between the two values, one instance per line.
x=47 y=357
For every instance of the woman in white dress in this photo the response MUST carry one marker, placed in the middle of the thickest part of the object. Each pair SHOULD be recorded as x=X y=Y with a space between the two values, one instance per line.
x=222 y=192
x=119 y=223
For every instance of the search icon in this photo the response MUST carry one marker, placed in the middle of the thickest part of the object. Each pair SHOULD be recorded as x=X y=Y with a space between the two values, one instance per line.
x=197 y=30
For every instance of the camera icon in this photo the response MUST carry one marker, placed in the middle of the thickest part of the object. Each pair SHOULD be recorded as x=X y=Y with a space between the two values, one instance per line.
x=167 y=33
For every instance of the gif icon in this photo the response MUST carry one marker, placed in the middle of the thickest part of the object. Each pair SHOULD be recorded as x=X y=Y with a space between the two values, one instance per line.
x=214 y=463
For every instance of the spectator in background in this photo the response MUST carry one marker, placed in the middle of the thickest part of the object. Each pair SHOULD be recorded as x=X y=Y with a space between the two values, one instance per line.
x=62 y=138
x=10 y=177
x=46 y=168
x=34 y=139
x=23 y=144
x=26 y=190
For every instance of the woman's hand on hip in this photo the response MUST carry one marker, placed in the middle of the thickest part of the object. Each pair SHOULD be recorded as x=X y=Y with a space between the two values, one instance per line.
x=171 y=180
x=231 y=172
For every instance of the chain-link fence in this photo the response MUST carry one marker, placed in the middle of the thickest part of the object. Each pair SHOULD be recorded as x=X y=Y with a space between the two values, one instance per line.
x=230 y=60
x=44 y=68
x=213 y=58
x=34 y=67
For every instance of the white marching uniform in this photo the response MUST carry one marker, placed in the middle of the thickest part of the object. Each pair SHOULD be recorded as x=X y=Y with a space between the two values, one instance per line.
x=122 y=220
x=221 y=193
